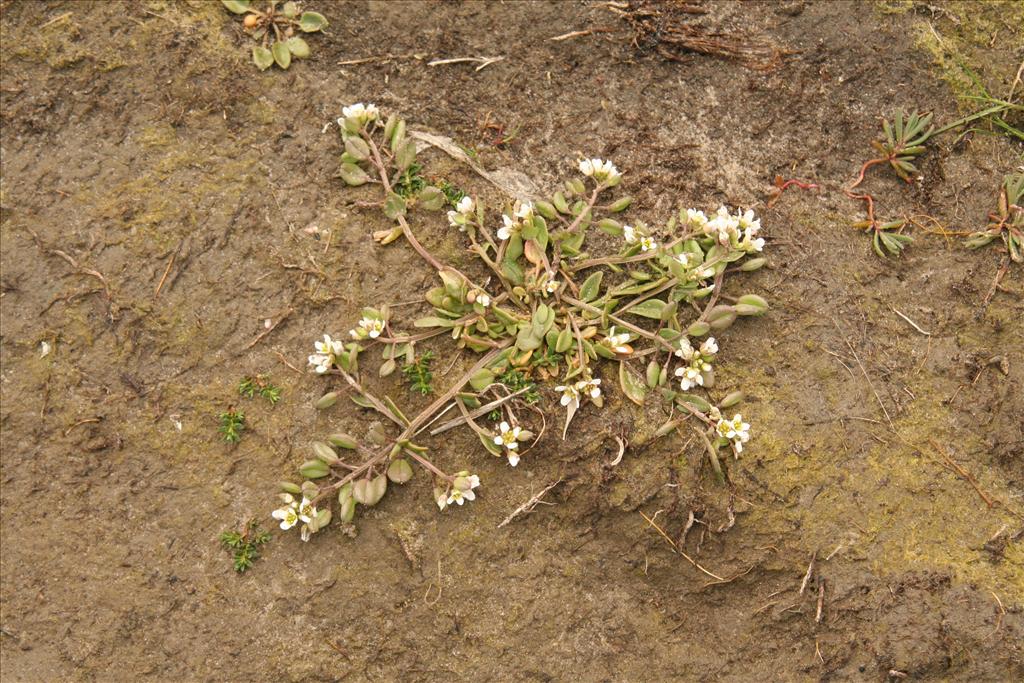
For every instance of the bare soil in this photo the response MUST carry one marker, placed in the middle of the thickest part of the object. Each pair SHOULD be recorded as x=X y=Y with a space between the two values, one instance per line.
x=137 y=135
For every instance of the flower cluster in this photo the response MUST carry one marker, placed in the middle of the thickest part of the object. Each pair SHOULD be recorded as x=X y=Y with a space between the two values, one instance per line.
x=508 y=437
x=737 y=230
x=603 y=172
x=699 y=361
x=571 y=393
x=369 y=326
x=638 y=236
x=326 y=354
x=360 y=113
x=734 y=431
x=294 y=512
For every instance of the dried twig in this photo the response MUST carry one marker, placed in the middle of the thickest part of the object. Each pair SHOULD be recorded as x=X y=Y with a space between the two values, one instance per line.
x=482 y=61
x=530 y=504
x=482 y=410
x=679 y=550
x=810 y=571
x=270 y=329
x=912 y=323
x=865 y=372
x=579 y=34
x=167 y=270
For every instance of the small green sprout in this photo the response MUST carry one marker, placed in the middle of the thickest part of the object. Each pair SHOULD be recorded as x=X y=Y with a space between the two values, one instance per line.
x=261 y=385
x=275 y=29
x=417 y=373
x=453 y=195
x=244 y=545
x=1007 y=221
x=903 y=142
x=232 y=424
x=410 y=183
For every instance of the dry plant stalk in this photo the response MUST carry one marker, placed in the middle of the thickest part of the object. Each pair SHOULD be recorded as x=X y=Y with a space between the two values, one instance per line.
x=667 y=28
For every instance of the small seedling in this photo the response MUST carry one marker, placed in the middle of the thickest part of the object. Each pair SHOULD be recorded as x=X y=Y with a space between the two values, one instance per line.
x=275 y=29
x=417 y=373
x=452 y=194
x=261 y=385
x=244 y=545
x=410 y=183
x=1007 y=221
x=903 y=142
x=232 y=424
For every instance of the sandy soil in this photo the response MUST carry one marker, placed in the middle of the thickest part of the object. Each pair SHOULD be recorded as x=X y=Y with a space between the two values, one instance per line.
x=135 y=135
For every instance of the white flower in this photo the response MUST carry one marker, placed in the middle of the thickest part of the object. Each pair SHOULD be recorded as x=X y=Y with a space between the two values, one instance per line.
x=363 y=113
x=288 y=515
x=684 y=258
x=590 y=387
x=462 y=489
x=709 y=347
x=306 y=510
x=321 y=363
x=601 y=171
x=619 y=343
x=328 y=346
x=647 y=244
x=368 y=327
x=508 y=436
x=735 y=430
x=483 y=299
x=751 y=243
x=453 y=220
x=551 y=287
x=629 y=234
x=696 y=218
x=306 y=533
x=513 y=457
x=524 y=210
x=442 y=501
x=465 y=205
x=506 y=230
x=685 y=350
x=690 y=377
x=570 y=395
x=746 y=221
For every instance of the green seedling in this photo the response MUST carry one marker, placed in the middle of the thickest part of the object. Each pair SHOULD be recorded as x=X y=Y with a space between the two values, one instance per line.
x=275 y=29
x=417 y=373
x=244 y=545
x=1007 y=221
x=259 y=385
x=232 y=424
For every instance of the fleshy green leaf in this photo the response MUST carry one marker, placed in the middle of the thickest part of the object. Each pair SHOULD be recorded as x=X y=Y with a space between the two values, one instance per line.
x=394 y=206
x=282 y=55
x=262 y=57
x=353 y=175
x=634 y=390
x=236 y=6
x=312 y=21
x=298 y=47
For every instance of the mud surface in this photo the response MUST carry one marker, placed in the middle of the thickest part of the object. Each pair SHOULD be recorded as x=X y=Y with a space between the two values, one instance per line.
x=137 y=135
